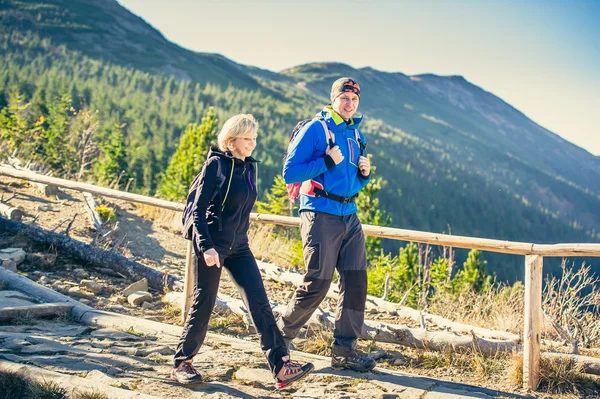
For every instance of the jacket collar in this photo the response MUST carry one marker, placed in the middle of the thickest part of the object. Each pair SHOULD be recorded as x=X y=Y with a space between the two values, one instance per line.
x=336 y=123
x=229 y=156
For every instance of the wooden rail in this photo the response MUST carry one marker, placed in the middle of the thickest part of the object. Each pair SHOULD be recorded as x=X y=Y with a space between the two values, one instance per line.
x=534 y=254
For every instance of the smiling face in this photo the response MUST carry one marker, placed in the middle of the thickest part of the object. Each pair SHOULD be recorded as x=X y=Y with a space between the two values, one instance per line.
x=346 y=104
x=242 y=147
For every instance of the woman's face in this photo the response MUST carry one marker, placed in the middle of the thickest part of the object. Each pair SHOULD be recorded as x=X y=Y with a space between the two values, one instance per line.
x=242 y=147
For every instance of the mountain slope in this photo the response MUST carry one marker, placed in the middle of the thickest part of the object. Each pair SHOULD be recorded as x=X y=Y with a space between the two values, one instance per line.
x=106 y=30
x=478 y=132
x=454 y=156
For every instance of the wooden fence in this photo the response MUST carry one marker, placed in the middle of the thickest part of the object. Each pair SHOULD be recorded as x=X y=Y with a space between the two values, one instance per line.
x=534 y=255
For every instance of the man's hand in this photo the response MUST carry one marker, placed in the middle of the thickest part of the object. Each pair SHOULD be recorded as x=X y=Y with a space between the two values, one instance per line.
x=364 y=165
x=335 y=154
x=211 y=257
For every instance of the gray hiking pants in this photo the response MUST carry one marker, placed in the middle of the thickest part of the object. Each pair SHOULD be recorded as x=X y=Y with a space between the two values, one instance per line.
x=330 y=242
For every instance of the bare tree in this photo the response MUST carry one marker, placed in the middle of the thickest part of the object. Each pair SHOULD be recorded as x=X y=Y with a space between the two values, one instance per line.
x=83 y=139
x=572 y=304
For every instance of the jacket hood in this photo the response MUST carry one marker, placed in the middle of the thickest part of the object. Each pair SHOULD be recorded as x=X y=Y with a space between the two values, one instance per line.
x=336 y=123
x=215 y=151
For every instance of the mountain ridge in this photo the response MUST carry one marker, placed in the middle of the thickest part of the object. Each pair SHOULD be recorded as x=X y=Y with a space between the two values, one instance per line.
x=452 y=154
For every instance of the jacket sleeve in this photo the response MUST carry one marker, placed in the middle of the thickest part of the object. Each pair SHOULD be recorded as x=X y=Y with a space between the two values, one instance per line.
x=204 y=195
x=364 y=180
x=299 y=164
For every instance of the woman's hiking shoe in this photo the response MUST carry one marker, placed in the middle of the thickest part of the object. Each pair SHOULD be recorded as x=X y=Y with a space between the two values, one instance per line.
x=292 y=371
x=186 y=374
x=353 y=361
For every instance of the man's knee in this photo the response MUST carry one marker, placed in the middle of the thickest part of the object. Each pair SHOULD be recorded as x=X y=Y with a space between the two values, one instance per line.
x=313 y=289
x=355 y=289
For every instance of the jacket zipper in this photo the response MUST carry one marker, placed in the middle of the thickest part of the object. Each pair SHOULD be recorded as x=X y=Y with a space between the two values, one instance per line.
x=243 y=206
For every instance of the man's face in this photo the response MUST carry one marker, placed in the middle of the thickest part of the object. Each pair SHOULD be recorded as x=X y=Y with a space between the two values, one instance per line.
x=346 y=104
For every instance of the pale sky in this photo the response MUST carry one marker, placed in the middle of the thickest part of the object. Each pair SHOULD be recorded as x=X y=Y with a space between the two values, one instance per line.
x=542 y=57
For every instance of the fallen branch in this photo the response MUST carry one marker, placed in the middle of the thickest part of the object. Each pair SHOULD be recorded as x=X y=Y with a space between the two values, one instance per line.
x=295 y=279
x=591 y=365
x=95 y=256
x=70 y=225
x=90 y=207
x=37 y=311
x=10 y=212
x=416 y=337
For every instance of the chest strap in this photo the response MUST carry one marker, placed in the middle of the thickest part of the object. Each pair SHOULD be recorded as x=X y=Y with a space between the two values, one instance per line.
x=344 y=200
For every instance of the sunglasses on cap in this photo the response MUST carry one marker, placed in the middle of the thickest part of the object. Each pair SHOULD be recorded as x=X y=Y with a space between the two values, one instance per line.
x=351 y=87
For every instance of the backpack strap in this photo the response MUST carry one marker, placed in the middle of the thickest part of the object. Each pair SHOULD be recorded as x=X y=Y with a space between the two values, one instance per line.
x=329 y=137
x=362 y=145
x=228 y=183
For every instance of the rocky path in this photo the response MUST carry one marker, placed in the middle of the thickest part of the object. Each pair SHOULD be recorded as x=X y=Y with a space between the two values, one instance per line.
x=120 y=362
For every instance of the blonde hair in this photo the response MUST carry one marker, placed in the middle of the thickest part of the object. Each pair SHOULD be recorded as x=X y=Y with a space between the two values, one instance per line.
x=242 y=125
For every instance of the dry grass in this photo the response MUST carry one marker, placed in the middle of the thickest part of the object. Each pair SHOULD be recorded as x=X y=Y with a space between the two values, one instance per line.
x=276 y=245
x=318 y=342
x=171 y=313
x=561 y=375
x=485 y=366
x=26 y=319
x=515 y=369
x=499 y=308
x=436 y=360
x=482 y=367
x=558 y=375
x=228 y=323
x=168 y=219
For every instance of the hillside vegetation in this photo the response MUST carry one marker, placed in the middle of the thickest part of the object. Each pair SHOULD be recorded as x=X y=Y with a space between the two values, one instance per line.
x=452 y=156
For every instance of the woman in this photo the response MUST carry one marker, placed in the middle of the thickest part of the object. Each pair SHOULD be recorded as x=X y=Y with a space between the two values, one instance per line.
x=225 y=196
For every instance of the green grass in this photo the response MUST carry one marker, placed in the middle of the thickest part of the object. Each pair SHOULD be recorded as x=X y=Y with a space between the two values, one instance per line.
x=131 y=331
x=89 y=395
x=15 y=385
x=46 y=390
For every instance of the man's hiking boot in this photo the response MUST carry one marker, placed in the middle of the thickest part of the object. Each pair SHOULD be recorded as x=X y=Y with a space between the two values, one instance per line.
x=291 y=371
x=353 y=361
x=186 y=374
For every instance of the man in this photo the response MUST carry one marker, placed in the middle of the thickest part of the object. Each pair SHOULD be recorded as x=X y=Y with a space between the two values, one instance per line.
x=332 y=167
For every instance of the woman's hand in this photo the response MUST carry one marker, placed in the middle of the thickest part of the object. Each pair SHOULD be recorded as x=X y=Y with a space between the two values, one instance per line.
x=211 y=257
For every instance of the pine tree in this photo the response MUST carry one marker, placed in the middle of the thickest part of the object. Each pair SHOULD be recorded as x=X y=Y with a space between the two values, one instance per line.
x=13 y=121
x=187 y=161
x=57 y=154
x=277 y=202
x=112 y=161
x=473 y=275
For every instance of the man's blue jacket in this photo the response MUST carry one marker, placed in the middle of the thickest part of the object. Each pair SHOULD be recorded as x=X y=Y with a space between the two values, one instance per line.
x=306 y=163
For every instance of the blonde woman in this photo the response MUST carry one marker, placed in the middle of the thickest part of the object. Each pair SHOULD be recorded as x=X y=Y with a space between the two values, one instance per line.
x=225 y=196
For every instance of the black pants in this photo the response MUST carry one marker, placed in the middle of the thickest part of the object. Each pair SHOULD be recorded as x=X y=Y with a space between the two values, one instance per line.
x=331 y=243
x=244 y=272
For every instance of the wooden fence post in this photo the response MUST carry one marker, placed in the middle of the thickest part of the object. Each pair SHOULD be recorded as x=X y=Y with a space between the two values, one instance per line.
x=533 y=317
x=189 y=283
